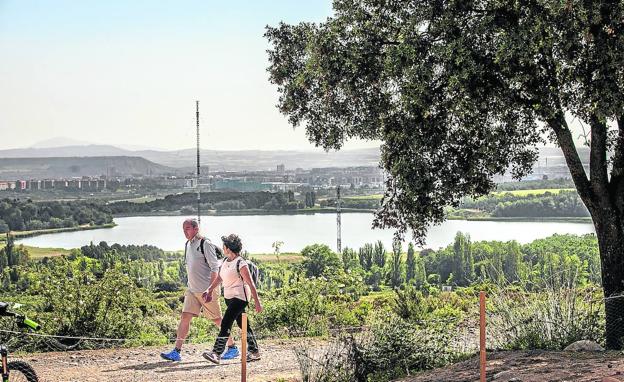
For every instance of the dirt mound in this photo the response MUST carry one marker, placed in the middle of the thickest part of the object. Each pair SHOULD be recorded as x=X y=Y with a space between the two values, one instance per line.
x=532 y=366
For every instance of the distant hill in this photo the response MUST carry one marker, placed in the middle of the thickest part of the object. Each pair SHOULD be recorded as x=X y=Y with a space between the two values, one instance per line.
x=66 y=151
x=60 y=142
x=40 y=168
x=246 y=160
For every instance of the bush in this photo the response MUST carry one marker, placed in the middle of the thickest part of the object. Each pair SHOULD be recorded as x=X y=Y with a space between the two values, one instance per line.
x=4 y=227
x=56 y=223
x=334 y=363
x=78 y=305
x=35 y=224
x=228 y=205
x=319 y=259
x=394 y=347
x=390 y=349
x=187 y=210
x=545 y=320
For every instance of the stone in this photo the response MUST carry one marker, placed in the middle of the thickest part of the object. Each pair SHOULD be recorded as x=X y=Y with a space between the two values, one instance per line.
x=507 y=375
x=584 y=345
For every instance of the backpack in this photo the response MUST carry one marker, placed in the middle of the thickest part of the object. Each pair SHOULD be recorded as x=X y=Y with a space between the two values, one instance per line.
x=217 y=250
x=253 y=270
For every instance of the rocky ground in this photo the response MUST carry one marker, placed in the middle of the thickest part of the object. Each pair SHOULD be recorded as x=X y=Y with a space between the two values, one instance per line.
x=278 y=363
x=534 y=366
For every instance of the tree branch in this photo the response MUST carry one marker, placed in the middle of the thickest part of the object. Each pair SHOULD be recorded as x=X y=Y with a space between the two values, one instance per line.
x=566 y=142
x=598 y=157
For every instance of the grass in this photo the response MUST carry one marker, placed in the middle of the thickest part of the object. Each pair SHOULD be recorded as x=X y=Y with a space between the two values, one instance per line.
x=365 y=197
x=497 y=193
x=532 y=192
x=39 y=253
x=22 y=234
x=139 y=200
x=286 y=258
x=283 y=258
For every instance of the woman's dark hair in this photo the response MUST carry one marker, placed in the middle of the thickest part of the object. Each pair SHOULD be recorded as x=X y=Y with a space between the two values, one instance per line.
x=233 y=243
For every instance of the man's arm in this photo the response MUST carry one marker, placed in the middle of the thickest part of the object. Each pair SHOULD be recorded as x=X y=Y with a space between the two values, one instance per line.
x=216 y=280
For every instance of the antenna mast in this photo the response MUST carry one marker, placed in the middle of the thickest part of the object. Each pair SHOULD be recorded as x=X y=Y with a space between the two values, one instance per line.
x=197 y=180
x=338 y=222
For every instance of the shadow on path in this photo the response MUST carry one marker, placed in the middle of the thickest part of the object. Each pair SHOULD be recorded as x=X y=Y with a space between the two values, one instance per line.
x=167 y=366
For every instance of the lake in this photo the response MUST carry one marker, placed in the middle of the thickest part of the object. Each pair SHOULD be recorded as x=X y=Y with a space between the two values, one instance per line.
x=296 y=231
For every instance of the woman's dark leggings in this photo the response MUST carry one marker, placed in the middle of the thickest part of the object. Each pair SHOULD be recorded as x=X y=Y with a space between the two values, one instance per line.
x=234 y=311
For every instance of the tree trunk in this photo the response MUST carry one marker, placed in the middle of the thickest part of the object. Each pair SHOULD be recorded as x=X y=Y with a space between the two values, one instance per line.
x=610 y=232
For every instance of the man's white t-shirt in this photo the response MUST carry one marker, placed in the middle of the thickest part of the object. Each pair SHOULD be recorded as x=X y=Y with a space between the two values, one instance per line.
x=199 y=266
x=232 y=283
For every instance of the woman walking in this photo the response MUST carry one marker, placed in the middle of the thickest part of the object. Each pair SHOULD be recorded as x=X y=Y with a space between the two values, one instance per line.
x=238 y=287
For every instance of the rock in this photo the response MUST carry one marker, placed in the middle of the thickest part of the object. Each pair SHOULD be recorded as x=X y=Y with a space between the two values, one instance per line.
x=507 y=375
x=584 y=345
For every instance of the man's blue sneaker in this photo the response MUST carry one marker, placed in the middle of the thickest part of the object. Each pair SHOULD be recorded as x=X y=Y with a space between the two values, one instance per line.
x=173 y=355
x=231 y=353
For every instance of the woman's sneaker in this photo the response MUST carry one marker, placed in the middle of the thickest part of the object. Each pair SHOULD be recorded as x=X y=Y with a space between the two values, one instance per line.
x=231 y=353
x=255 y=356
x=212 y=357
x=173 y=355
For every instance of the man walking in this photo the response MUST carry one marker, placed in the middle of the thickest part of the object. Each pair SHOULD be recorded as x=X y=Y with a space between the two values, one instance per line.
x=202 y=267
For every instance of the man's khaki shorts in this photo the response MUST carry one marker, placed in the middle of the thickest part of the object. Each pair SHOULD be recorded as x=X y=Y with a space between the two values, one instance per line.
x=194 y=304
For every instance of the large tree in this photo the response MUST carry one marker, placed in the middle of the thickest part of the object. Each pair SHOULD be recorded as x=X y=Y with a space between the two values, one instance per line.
x=459 y=91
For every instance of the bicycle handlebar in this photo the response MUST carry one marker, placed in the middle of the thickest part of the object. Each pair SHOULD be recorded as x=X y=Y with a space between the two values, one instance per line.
x=26 y=322
x=22 y=320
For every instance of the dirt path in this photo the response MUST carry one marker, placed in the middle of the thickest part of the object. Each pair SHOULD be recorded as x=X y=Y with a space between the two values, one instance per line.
x=533 y=366
x=278 y=363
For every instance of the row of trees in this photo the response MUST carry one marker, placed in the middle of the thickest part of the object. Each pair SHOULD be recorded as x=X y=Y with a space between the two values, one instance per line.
x=536 y=184
x=562 y=204
x=187 y=202
x=17 y=214
x=148 y=266
x=462 y=263
x=544 y=260
x=371 y=203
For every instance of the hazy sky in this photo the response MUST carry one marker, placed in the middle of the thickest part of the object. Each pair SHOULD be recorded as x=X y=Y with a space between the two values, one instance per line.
x=129 y=72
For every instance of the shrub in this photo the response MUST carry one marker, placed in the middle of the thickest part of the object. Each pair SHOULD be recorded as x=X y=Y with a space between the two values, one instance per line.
x=545 y=320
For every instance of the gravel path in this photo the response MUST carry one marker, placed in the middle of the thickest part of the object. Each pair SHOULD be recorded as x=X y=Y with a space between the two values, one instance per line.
x=278 y=363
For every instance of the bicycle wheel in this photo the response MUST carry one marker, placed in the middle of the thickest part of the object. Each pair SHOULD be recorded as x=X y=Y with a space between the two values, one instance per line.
x=20 y=371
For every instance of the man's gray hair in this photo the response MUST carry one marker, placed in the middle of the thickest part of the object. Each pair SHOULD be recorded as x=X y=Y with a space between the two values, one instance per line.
x=193 y=222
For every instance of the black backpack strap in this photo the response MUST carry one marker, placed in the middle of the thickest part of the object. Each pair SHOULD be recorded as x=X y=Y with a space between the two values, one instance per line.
x=201 y=246
x=241 y=277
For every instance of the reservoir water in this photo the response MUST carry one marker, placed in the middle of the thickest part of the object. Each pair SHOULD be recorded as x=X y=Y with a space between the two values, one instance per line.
x=296 y=231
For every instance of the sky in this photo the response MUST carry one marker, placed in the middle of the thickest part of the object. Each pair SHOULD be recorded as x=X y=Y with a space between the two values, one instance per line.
x=128 y=72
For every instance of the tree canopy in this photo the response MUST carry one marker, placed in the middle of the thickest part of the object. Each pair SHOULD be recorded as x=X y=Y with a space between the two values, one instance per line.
x=457 y=91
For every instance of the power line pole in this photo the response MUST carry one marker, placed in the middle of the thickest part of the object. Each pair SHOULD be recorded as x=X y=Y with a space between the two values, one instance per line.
x=338 y=222
x=197 y=180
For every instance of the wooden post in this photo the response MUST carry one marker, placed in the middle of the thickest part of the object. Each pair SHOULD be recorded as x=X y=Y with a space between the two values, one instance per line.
x=482 y=333
x=244 y=349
